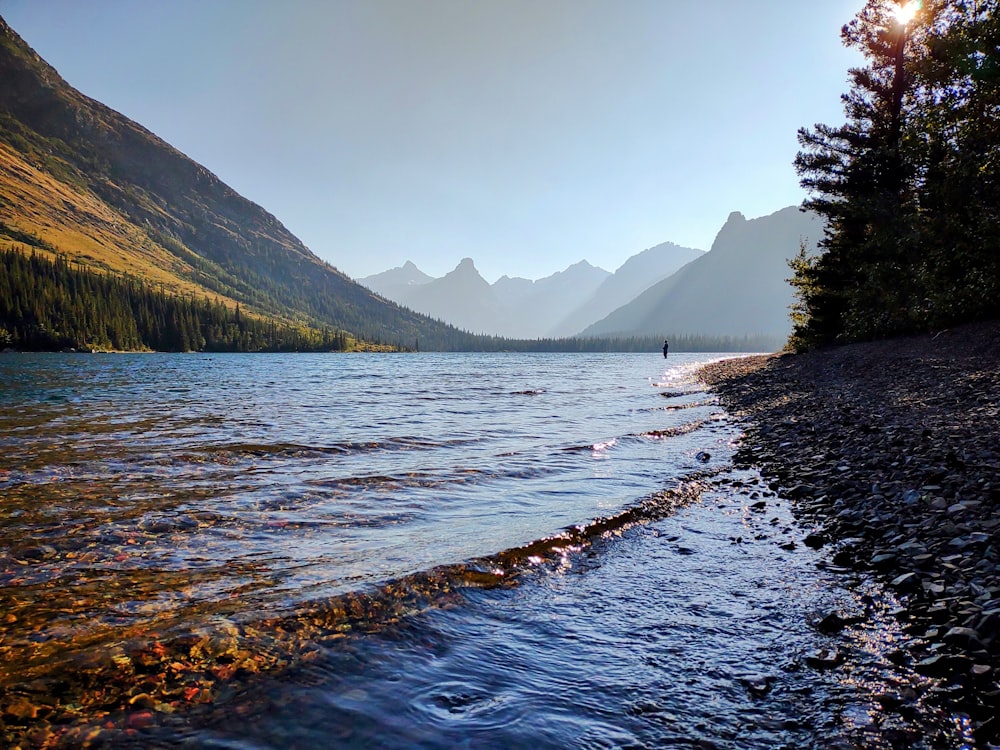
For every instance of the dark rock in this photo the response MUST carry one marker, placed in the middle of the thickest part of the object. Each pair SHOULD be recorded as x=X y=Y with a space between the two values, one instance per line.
x=981 y=670
x=884 y=561
x=815 y=540
x=831 y=623
x=964 y=637
x=42 y=552
x=906 y=583
x=989 y=623
x=943 y=665
x=826 y=658
x=757 y=685
x=844 y=558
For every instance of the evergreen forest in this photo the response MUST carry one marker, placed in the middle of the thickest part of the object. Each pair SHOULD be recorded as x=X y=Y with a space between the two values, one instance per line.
x=48 y=305
x=53 y=304
x=910 y=183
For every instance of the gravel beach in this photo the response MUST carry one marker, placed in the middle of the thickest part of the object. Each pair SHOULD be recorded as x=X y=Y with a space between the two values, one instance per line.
x=891 y=452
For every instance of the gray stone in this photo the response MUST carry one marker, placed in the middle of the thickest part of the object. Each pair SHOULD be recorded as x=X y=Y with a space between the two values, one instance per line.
x=883 y=561
x=964 y=637
x=906 y=582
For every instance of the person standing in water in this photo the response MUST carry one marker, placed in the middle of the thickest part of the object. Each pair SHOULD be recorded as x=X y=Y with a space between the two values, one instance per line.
x=666 y=348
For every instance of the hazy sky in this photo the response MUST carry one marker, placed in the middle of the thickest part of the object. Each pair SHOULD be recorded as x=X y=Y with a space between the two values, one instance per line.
x=526 y=134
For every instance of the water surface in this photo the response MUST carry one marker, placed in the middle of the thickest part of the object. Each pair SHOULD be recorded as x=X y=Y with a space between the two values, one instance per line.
x=482 y=550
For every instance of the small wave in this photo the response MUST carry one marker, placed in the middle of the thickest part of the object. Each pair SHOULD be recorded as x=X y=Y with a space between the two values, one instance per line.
x=605 y=446
x=599 y=447
x=671 y=432
x=680 y=407
x=298 y=450
x=684 y=429
x=459 y=475
x=194 y=661
x=678 y=394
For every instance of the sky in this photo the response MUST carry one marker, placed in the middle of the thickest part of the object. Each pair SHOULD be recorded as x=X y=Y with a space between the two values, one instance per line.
x=525 y=134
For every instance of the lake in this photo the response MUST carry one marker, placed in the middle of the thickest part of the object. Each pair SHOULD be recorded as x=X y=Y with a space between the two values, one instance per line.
x=415 y=550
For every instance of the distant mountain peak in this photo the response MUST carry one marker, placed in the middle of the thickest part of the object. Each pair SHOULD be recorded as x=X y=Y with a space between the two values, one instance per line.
x=739 y=288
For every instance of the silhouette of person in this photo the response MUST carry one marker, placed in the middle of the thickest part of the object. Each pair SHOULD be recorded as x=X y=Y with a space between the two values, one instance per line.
x=666 y=348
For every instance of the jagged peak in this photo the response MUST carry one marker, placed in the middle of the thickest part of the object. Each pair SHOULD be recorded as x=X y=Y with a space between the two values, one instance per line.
x=466 y=266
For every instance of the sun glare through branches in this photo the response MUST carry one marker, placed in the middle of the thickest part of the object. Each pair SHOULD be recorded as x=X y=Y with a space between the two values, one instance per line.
x=905 y=12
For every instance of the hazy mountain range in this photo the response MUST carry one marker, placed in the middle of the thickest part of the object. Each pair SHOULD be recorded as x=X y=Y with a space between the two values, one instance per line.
x=737 y=288
x=556 y=306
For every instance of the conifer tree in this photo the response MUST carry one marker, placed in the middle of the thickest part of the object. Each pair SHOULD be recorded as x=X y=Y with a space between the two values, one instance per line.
x=860 y=178
x=910 y=184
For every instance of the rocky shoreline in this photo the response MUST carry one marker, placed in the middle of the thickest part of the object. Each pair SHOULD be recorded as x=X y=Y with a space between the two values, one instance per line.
x=891 y=452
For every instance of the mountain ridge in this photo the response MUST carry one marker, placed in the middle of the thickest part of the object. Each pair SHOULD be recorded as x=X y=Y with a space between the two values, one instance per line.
x=747 y=266
x=630 y=279
x=555 y=306
x=511 y=306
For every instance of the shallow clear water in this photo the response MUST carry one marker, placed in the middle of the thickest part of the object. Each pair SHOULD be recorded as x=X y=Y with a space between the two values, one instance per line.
x=482 y=550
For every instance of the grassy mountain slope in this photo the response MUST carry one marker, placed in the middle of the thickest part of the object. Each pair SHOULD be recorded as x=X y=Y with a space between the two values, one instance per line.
x=82 y=180
x=39 y=210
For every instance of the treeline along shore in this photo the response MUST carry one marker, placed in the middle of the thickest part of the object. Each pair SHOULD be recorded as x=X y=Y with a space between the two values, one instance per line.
x=52 y=304
x=890 y=450
x=48 y=305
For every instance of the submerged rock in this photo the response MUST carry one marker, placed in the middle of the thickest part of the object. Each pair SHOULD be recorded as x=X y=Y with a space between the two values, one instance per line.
x=826 y=658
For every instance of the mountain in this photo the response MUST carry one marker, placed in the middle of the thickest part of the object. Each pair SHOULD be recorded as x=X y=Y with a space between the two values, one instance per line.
x=81 y=181
x=511 y=307
x=396 y=283
x=632 y=278
x=461 y=297
x=535 y=312
x=738 y=287
x=511 y=291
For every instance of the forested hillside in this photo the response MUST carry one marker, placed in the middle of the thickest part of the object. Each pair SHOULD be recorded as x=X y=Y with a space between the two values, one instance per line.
x=910 y=183
x=55 y=305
